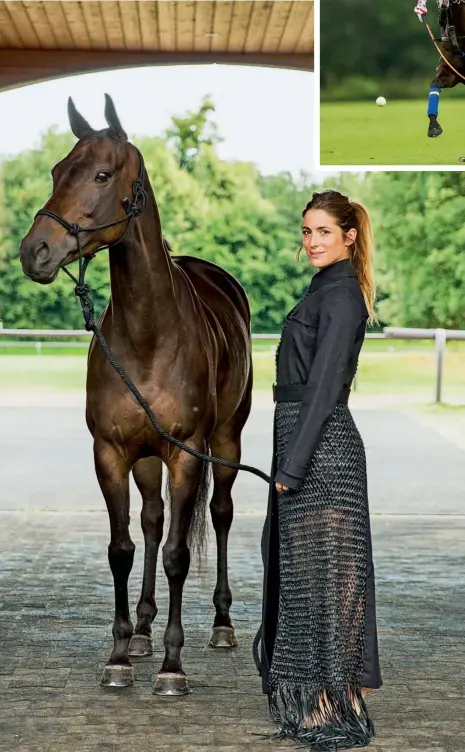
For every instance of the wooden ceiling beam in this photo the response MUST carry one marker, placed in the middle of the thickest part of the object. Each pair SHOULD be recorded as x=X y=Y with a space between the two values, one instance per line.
x=23 y=67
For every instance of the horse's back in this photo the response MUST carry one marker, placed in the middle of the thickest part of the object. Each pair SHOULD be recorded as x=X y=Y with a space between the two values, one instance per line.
x=218 y=290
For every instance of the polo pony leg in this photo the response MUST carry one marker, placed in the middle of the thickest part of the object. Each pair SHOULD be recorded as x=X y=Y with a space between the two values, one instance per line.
x=434 y=129
x=445 y=79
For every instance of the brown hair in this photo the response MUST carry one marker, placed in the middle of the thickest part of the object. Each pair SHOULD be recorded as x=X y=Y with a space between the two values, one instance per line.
x=349 y=214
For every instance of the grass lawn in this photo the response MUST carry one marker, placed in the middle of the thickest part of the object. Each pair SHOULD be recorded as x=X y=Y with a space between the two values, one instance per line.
x=384 y=368
x=37 y=372
x=401 y=371
x=360 y=133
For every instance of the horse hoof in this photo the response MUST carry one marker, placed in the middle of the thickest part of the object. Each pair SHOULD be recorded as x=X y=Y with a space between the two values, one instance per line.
x=223 y=637
x=140 y=646
x=117 y=676
x=434 y=131
x=171 y=685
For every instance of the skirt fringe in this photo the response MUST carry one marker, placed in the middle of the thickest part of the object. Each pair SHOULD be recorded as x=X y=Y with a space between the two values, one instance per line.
x=339 y=725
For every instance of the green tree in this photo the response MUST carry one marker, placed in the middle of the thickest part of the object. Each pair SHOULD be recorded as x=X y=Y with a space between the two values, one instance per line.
x=249 y=231
x=26 y=185
x=229 y=213
x=190 y=133
x=418 y=220
x=223 y=211
x=372 y=43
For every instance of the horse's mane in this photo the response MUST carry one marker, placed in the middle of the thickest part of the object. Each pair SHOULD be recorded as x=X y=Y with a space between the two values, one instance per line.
x=167 y=246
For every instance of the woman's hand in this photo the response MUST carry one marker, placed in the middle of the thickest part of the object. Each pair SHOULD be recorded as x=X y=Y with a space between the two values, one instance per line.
x=280 y=487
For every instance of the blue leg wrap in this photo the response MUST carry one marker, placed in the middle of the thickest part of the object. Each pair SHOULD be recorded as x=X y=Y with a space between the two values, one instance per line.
x=433 y=100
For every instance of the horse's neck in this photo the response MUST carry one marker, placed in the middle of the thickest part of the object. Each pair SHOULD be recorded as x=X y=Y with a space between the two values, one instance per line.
x=143 y=294
x=457 y=14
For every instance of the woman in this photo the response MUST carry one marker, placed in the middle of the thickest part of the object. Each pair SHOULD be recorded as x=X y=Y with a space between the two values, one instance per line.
x=319 y=651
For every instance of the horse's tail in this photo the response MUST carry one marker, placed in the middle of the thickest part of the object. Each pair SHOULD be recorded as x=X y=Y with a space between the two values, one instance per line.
x=198 y=531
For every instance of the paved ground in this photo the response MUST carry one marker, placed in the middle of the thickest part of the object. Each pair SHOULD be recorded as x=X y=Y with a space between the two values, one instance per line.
x=56 y=599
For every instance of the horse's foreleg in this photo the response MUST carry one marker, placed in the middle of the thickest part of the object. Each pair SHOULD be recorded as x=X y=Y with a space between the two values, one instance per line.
x=445 y=79
x=148 y=477
x=185 y=476
x=113 y=477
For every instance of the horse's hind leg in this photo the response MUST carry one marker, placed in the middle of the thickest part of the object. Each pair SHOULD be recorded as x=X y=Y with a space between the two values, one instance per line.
x=445 y=79
x=113 y=477
x=148 y=476
x=225 y=443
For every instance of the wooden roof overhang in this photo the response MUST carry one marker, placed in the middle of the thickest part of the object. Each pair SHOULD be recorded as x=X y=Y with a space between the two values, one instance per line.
x=41 y=40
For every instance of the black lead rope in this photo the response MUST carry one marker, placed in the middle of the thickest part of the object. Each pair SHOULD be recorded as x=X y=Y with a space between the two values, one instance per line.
x=82 y=291
x=131 y=386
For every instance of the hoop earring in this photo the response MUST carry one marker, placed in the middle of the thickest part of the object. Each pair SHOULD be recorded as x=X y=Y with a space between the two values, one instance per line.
x=299 y=252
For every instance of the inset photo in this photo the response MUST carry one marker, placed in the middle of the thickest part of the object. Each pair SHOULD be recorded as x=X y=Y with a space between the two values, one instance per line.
x=391 y=83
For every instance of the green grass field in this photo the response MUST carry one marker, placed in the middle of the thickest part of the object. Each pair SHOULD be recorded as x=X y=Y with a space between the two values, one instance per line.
x=384 y=368
x=360 y=133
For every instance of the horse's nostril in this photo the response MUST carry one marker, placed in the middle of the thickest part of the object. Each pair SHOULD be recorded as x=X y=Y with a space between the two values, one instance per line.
x=42 y=252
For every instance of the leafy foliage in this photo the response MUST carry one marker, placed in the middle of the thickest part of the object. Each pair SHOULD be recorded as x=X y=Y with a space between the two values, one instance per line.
x=249 y=223
x=223 y=211
x=372 y=42
x=190 y=133
x=420 y=235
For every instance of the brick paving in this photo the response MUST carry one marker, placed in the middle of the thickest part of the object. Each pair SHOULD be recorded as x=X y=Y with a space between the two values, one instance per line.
x=56 y=600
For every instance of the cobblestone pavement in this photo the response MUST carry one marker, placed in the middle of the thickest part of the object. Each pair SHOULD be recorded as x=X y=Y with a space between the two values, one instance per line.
x=56 y=600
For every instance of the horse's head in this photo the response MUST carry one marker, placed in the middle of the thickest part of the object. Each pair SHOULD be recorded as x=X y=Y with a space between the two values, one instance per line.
x=92 y=186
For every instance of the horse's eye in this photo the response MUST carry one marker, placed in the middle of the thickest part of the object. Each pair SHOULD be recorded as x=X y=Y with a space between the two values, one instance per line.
x=102 y=177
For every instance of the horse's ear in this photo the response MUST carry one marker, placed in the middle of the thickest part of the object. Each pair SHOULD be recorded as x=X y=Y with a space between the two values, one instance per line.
x=79 y=125
x=116 y=129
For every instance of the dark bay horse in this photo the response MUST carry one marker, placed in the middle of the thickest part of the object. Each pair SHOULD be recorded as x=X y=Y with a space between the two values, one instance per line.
x=452 y=19
x=180 y=327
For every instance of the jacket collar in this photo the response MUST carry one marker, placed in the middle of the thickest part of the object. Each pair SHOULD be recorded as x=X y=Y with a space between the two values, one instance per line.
x=333 y=273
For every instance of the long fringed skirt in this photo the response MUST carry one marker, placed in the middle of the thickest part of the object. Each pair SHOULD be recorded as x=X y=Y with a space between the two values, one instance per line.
x=325 y=643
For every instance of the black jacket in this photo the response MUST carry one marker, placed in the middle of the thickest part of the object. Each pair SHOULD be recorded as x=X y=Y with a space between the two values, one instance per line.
x=319 y=353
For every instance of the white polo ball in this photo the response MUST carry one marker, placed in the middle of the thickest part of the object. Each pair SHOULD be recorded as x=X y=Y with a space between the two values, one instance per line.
x=381 y=101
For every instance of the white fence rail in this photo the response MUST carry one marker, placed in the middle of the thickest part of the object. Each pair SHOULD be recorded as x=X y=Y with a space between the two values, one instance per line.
x=440 y=336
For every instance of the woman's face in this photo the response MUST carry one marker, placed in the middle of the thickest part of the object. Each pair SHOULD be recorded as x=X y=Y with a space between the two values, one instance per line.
x=323 y=239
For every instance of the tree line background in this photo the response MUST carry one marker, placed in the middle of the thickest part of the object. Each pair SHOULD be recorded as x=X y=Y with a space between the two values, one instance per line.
x=230 y=213
x=377 y=48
